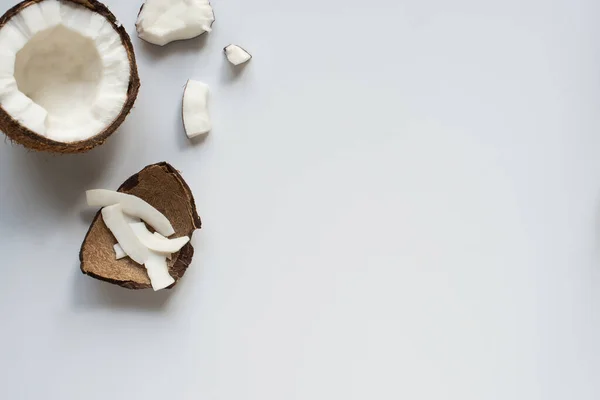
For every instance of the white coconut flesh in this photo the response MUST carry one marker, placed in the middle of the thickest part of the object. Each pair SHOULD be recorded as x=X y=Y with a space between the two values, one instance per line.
x=156 y=243
x=236 y=55
x=158 y=271
x=119 y=252
x=64 y=71
x=196 y=119
x=164 y=21
x=115 y=222
x=133 y=206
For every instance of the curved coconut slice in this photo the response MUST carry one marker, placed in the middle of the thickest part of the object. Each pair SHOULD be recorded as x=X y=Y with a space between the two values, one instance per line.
x=120 y=253
x=164 y=189
x=158 y=271
x=155 y=243
x=132 y=206
x=164 y=21
x=114 y=219
x=68 y=75
x=196 y=119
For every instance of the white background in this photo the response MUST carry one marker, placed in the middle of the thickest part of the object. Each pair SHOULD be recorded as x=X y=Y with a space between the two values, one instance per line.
x=401 y=200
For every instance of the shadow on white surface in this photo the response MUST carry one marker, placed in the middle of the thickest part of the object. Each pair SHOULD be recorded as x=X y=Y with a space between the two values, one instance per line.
x=91 y=294
x=60 y=180
x=156 y=52
x=230 y=72
x=87 y=215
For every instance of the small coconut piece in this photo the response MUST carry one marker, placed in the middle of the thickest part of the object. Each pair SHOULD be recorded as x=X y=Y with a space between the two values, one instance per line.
x=236 y=55
x=162 y=237
x=161 y=186
x=196 y=119
x=155 y=243
x=158 y=271
x=119 y=252
x=164 y=21
x=132 y=206
x=68 y=75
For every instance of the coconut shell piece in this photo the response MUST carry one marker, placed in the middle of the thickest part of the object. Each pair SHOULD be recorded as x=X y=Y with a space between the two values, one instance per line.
x=163 y=187
x=26 y=137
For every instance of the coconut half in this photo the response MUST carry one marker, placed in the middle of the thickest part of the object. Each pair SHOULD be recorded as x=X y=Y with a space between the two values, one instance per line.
x=161 y=186
x=163 y=21
x=68 y=75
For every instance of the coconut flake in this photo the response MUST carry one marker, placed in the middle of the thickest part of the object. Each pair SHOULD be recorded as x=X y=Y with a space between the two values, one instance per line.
x=236 y=55
x=115 y=221
x=133 y=206
x=119 y=252
x=158 y=271
x=169 y=255
x=196 y=119
x=163 y=21
x=156 y=243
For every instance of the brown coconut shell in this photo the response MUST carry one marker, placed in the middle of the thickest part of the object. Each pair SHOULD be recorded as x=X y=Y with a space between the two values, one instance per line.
x=26 y=137
x=163 y=187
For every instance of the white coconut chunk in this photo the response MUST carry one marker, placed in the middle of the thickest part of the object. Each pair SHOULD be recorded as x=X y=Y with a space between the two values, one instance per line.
x=196 y=119
x=33 y=117
x=55 y=50
x=158 y=271
x=7 y=66
x=119 y=252
x=236 y=55
x=164 y=21
x=156 y=243
x=31 y=20
x=133 y=206
x=115 y=221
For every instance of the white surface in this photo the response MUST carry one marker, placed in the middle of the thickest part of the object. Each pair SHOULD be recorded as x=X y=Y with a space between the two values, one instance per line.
x=401 y=200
